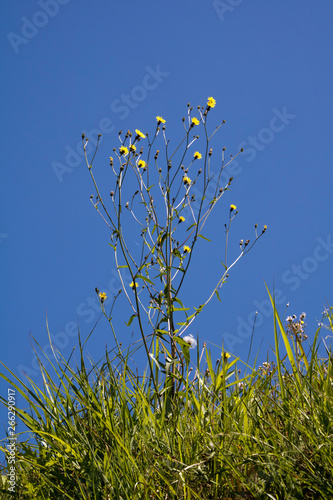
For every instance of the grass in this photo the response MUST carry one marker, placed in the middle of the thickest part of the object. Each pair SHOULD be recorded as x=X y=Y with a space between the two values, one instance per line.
x=100 y=431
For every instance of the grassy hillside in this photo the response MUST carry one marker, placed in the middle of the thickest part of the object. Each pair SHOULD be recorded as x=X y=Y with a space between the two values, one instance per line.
x=226 y=432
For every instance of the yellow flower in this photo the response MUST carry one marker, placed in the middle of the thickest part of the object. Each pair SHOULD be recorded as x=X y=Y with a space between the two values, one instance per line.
x=133 y=148
x=160 y=119
x=142 y=164
x=186 y=180
x=195 y=121
x=226 y=355
x=132 y=285
x=181 y=218
x=102 y=296
x=232 y=207
x=123 y=150
x=140 y=134
x=211 y=102
x=186 y=249
x=197 y=155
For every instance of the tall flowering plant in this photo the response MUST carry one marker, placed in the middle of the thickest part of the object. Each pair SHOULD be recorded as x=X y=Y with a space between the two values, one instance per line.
x=170 y=220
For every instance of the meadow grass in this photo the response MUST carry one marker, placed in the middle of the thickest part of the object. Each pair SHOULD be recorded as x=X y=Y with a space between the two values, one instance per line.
x=186 y=428
x=100 y=431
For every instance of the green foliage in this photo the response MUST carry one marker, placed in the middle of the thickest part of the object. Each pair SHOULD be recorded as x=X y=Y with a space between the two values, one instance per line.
x=100 y=431
x=170 y=209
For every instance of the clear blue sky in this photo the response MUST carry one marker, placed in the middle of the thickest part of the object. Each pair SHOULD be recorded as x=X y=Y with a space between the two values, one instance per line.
x=70 y=67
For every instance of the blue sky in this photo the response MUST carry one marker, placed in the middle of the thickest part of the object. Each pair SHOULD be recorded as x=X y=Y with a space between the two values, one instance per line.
x=74 y=67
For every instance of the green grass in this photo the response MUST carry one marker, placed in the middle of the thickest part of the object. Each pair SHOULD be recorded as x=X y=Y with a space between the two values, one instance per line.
x=228 y=432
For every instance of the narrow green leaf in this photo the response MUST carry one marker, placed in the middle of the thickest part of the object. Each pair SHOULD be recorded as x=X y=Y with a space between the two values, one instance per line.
x=130 y=320
x=203 y=237
x=144 y=279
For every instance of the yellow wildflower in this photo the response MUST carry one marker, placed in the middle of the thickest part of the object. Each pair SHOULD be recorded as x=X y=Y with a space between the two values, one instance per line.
x=211 y=102
x=186 y=249
x=160 y=119
x=102 y=296
x=140 y=134
x=197 y=155
x=226 y=355
x=142 y=164
x=123 y=150
x=132 y=285
x=186 y=180
x=232 y=207
x=181 y=218
x=132 y=148
x=195 y=121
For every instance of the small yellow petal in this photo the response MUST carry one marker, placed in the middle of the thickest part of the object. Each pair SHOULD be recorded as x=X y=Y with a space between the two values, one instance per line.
x=140 y=134
x=211 y=103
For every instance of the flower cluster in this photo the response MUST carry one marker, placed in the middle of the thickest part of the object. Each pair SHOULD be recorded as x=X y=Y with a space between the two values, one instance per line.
x=295 y=327
x=267 y=367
